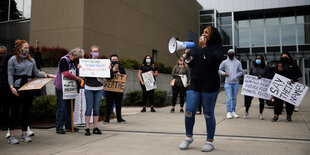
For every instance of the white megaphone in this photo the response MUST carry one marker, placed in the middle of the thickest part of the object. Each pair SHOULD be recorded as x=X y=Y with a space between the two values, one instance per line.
x=175 y=45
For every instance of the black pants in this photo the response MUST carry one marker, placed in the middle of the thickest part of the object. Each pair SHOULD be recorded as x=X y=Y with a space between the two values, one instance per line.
x=248 y=101
x=176 y=90
x=113 y=97
x=147 y=95
x=4 y=108
x=278 y=107
x=21 y=103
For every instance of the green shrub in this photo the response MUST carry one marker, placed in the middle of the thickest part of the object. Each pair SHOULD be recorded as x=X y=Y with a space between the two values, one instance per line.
x=163 y=69
x=130 y=63
x=43 y=109
x=134 y=98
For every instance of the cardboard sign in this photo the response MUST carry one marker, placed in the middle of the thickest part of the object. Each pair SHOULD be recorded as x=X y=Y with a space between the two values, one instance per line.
x=252 y=86
x=149 y=80
x=80 y=108
x=117 y=84
x=95 y=68
x=36 y=83
x=69 y=87
x=282 y=88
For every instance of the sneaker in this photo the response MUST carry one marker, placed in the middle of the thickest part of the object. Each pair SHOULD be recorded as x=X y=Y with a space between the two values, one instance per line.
x=13 y=140
x=8 y=134
x=207 y=147
x=87 y=133
x=274 y=119
x=245 y=115
x=181 y=110
x=75 y=129
x=143 y=109
x=25 y=138
x=261 y=117
x=185 y=144
x=60 y=131
x=29 y=132
x=152 y=109
x=228 y=115
x=97 y=131
x=289 y=119
x=234 y=115
x=172 y=110
x=106 y=122
x=121 y=121
x=296 y=109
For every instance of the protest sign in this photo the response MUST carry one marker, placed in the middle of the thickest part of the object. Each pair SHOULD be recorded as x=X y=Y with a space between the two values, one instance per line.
x=149 y=80
x=80 y=108
x=282 y=88
x=252 y=86
x=36 y=83
x=117 y=84
x=95 y=68
x=69 y=87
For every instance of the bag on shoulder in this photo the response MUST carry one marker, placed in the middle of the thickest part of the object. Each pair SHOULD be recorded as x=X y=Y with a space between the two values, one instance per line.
x=172 y=82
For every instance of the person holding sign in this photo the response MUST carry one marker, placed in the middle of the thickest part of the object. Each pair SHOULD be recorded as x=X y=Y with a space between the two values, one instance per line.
x=114 y=97
x=232 y=69
x=204 y=85
x=93 y=95
x=147 y=65
x=290 y=70
x=21 y=69
x=67 y=71
x=260 y=70
x=180 y=73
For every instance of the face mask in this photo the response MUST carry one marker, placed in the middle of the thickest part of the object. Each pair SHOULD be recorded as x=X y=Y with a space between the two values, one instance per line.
x=231 y=55
x=23 y=53
x=114 y=62
x=94 y=55
x=148 y=60
x=284 y=60
x=258 y=61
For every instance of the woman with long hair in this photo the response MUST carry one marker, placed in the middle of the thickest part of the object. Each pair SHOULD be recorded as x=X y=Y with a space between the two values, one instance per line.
x=21 y=69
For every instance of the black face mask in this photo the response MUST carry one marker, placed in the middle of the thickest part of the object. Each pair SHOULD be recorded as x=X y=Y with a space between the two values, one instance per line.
x=114 y=62
x=285 y=60
x=231 y=55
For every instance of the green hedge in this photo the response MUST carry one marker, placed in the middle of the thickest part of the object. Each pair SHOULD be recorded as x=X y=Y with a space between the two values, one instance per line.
x=135 y=64
x=134 y=98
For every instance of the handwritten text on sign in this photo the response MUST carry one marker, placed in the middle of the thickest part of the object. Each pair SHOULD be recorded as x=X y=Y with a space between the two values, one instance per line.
x=149 y=80
x=252 y=86
x=69 y=87
x=36 y=83
x=117 y=84
x=282 y=88
x=95 y=68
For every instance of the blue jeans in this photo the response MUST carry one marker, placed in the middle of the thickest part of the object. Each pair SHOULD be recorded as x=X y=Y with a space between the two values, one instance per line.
x=231 y=91
x=208 y=101
x=93 y=98
x=63 y=110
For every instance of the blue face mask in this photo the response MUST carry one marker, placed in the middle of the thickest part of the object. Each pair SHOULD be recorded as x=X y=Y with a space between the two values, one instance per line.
x=148 y=60
x=258 y=61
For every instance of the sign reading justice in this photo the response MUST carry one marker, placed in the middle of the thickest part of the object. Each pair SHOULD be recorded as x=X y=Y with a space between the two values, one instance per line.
x=116 y=84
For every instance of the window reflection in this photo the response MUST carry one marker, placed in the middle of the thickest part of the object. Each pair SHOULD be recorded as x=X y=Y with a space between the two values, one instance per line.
x=244 y=40
x=226 y=33
x=272 y=35
x=288 y=34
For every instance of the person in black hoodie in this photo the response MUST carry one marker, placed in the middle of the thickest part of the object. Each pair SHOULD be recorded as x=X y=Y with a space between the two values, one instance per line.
x=116 y=97
x=260 y=70
x=290 y=70
x=204 y=85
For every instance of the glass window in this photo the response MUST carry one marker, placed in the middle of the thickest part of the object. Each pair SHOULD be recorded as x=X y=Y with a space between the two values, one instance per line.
x=4 y=10
x=272 y=35
x=206 y=18
x=288 y=34
x=27 y=8
x=303 y=32
x=244 y=40
x=257 y=22
x=226 y=33
x=287 y=20
x=272 y=21
x=307 y=19
x=225 y=20
x=16 y=9
x=300 y=19
x=243 y=23
x=257 y=34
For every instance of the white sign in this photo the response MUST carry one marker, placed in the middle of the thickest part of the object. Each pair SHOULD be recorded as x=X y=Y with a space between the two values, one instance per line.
x=282 y=88
x=80 y=108
x=69 y=87
x=149 y=80
x=252 y=86
x=95 y=68
x=184 y=80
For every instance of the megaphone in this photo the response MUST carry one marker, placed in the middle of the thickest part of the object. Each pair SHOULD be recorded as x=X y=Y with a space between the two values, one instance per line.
x=175 y=45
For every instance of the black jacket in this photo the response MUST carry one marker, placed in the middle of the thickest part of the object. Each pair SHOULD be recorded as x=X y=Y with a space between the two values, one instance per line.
x=257 y=70
x=291 y=71
x=204 y=68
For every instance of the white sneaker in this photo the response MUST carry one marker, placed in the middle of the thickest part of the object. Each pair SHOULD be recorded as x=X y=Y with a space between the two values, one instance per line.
x=207 y=147
x=13 y=140
x=234 y=115
x=8 y=134
x=25 y=138
x=185 y=144
x=29 y=132
x=261 y=117
x=245 y=116
x=228 y=115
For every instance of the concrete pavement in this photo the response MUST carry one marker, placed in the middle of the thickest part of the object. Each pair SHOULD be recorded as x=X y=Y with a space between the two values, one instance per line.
x=162 y=132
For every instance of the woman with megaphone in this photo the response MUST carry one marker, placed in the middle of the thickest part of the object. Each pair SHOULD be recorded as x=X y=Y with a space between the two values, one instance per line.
x=204 y=62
